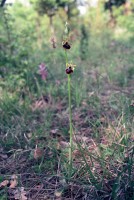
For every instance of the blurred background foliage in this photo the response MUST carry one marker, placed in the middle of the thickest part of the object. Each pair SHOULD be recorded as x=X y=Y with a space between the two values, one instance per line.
x=27 y=29
x=26 y=32
x=96 y=37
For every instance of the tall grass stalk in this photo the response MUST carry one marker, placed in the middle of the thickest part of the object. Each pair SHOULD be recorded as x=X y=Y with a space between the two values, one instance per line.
x=70 y=120
x=70 y=125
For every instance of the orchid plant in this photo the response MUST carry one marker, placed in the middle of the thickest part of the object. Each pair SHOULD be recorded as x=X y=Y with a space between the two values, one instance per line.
x=69 y=70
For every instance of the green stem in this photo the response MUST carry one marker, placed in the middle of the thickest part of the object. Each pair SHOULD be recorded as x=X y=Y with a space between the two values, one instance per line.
x=70 y=120
x=66 y=57
x=70 y=126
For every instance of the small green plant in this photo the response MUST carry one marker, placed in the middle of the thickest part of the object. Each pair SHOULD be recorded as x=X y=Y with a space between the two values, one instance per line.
x=69 y=70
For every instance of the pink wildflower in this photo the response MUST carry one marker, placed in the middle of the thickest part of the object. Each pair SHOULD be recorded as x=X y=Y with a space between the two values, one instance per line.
x=43 y=71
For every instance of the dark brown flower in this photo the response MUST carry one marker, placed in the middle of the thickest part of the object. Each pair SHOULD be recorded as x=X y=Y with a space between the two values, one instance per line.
x=66 y=45
x=69 y=70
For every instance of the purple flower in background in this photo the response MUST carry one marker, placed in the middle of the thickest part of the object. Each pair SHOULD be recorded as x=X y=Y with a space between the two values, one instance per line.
x=43 y=71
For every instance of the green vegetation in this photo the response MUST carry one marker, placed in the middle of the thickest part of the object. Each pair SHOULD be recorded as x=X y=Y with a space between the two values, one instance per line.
x=34 y=110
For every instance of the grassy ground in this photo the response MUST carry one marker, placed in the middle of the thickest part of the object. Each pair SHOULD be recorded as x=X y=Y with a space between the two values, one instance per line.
x=34 y=126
